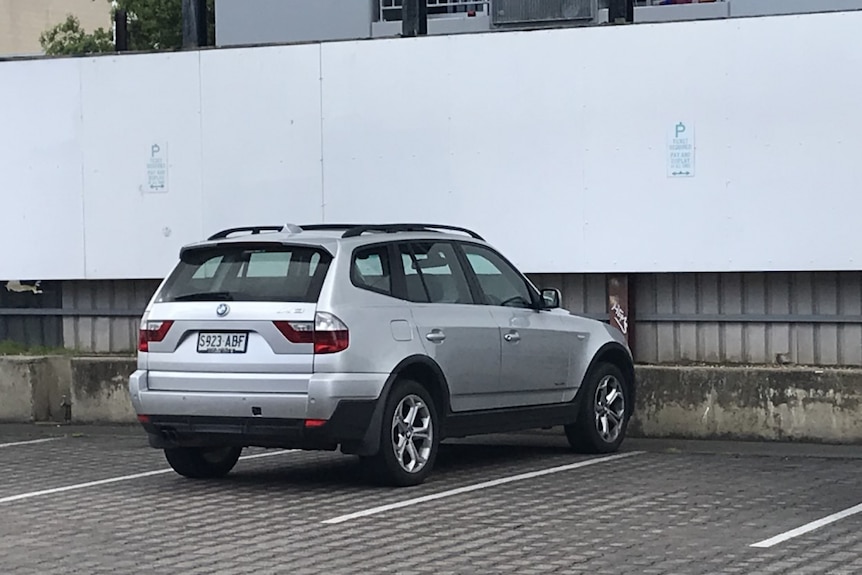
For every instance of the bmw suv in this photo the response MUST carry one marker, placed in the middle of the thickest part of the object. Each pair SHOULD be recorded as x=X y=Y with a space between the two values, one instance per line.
x=378 y=340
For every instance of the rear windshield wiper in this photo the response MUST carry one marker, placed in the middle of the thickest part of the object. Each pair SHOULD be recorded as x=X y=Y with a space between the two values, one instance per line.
x=205 y=296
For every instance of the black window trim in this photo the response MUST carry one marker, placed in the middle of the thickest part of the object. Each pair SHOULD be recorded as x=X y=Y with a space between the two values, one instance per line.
x=481 y=299
x=387 y=250
x=396 y=250
x=458 y=258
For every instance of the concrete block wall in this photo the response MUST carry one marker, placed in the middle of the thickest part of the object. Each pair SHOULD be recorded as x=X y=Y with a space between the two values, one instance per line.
x=34 y=388
x=749 y=403
x=771 y=404
x=39 y=389
x=99 y=390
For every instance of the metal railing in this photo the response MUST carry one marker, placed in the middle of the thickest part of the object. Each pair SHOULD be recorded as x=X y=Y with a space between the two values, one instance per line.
x=391 y=9
x=672 y=2
x=518 y=11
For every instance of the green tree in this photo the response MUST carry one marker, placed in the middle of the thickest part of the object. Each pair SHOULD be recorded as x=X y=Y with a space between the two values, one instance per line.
x=158 y=24
x=69 y=38
x=153 y=25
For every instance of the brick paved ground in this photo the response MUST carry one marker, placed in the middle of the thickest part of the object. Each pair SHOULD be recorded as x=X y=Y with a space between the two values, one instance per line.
x=678 y=507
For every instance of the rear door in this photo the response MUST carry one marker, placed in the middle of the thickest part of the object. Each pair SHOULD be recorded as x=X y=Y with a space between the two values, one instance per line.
x=236 y=318
x=461 y=336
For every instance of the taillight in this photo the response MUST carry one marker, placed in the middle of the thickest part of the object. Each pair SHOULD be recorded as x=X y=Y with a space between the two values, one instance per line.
x=328 y=334
x=153 y=331
x=296 y=331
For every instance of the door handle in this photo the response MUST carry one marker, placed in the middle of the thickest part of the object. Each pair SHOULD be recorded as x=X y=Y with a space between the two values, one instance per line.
x=512 y=337
x=435 y=336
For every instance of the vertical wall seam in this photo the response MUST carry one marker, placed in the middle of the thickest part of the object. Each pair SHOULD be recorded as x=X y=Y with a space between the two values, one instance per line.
x=83 y=170
x=201 y=141
x=322 y=171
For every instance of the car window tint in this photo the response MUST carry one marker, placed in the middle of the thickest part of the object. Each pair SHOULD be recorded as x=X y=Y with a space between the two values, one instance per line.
x=208 y=269
x=414 y=283
x=440 y=272
x=501 y=284
x=268 y=265
x=247 y=273
x=370 y=270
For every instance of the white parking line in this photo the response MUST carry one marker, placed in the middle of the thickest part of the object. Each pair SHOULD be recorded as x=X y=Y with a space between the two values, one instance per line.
x=30 y=442
x=808 y=527
x=476 y=487
x=121 y=478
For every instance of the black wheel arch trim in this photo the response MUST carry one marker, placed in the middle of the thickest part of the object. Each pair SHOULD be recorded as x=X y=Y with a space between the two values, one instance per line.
x=627 y=368
x=370 y=444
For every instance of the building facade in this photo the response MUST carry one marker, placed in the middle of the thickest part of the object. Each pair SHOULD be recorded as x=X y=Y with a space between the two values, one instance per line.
x=254 y=22
x=22 y=21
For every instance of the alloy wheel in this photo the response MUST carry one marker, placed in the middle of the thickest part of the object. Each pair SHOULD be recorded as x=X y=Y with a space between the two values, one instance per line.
x=610 y=408
x=412 y=433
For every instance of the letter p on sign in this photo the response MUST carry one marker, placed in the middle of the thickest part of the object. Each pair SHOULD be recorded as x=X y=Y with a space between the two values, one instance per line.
x=680 y=129
x=156 y=149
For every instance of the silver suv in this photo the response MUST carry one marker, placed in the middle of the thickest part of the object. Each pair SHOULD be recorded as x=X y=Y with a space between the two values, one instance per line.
x=382 y=340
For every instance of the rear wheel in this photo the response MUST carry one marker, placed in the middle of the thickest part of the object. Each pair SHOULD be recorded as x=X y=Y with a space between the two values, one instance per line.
x=604 y=412
x=409 y=436
x=203 y=462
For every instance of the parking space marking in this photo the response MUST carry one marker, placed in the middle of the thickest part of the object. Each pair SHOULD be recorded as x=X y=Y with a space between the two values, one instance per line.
x=30 y=442
x=76 y=486
x=476 y=487
x=808 y=527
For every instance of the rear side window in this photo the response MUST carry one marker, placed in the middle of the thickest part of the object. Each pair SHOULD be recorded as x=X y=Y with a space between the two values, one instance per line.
x=248 y=273
x=371 y=270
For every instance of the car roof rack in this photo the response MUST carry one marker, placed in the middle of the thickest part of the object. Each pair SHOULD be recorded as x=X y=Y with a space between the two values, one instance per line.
x=327 y=227
x=253 y=229
x=357 y=231
x=289 y=228
x=350 y=230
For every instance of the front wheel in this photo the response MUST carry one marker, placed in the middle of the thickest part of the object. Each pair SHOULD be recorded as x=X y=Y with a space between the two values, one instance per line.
x=409 y=436
x=203 y=462
x=604 y=412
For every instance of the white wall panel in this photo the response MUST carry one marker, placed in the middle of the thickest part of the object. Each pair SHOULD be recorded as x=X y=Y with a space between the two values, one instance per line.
x=386 y=145
x=130 y=104
x=796 y=128
x=419 y=131
x=41 y=198
x=507 y=160
x=261 y=136
x=636 y=217
x=554 y=144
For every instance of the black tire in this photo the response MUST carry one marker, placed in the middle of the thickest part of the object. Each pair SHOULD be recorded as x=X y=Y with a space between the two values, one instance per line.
x=203 y=462
x=584 y=435
x=385 y=465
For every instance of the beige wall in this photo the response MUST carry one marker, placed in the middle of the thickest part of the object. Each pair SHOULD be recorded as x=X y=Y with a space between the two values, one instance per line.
x=21 y=21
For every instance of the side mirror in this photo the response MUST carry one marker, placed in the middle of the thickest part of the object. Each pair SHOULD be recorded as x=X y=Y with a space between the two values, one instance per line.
x=551 y=298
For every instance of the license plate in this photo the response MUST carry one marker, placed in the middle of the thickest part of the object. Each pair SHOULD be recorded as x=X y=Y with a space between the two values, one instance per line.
x=222 y=342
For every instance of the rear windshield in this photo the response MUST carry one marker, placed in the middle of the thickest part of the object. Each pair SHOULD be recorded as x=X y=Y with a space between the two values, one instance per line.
x=248 y=273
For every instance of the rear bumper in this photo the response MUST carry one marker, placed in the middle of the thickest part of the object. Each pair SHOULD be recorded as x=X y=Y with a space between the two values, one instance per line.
x=347 y=427
x=346 y=402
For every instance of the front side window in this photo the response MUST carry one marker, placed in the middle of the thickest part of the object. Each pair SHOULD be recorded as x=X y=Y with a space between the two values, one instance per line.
x=248 y=273
x=433 y=273
x=501 y=284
